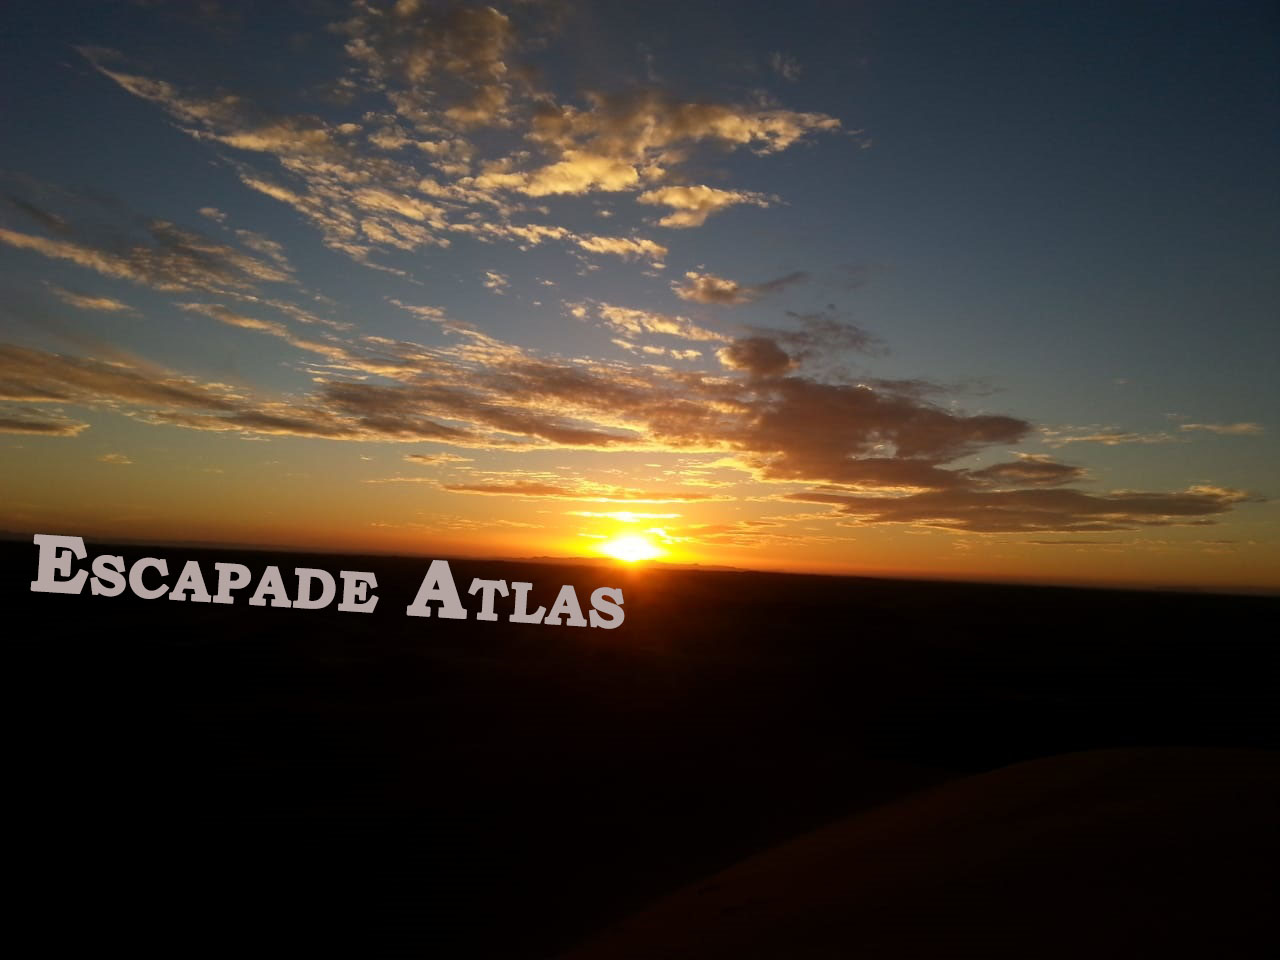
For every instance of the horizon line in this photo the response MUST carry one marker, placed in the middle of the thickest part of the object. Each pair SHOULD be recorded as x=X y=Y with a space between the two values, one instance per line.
x=1258 y=590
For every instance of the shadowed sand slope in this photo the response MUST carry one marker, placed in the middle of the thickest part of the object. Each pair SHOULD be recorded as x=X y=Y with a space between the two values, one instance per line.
x=1135 y=853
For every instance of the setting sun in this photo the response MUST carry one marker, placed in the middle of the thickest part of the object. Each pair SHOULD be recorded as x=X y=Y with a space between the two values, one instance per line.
x=630 y=549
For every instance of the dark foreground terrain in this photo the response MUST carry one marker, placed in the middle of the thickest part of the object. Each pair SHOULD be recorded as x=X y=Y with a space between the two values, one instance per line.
x=196 y=778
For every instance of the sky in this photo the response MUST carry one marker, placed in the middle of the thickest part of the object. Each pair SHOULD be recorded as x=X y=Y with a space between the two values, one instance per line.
x=964 y=290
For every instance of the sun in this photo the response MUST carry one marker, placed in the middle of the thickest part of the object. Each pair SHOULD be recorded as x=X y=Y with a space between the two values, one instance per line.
x=630 y=549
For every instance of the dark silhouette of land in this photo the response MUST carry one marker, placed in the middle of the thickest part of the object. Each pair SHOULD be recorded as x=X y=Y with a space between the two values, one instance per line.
x=1101 y=853
x=193 y=777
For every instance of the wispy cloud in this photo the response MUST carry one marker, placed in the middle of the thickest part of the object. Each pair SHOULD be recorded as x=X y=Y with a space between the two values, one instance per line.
x=626 y=247
x=1226 y=429
x=788 y=68
x=466 y=138
x=1032 y=511
x=634 y=322
x=708 y=288
x=595 y=493
x=84 y=301
x=1106 y=436
x=434 y=458
x=171 y=259
x=40 y=425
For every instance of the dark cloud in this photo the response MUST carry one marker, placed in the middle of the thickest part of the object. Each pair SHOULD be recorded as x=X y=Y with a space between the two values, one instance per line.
x=823 y=331
x=801 y=429
x=36 y=376
x=759 y=356
x=170 y=258
x=427 y=53
x=40 y=426
x=51 y=222
x=1028 y=469
x=884 y=456
x=1033 y=511
x=818 y=345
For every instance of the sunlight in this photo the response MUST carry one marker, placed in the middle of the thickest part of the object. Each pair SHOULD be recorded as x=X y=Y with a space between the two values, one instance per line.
x=630 y=549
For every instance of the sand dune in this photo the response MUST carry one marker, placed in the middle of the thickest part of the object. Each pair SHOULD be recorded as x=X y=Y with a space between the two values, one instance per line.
x=1134 y=853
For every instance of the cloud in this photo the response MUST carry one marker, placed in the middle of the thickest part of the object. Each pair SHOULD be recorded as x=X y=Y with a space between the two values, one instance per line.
x=652 y=350
x=326 y=348
x=1033 y=511
x=819 y=337
x=822 y=333
x=420 y=50
x=269 y=248
x=358 y=201
x=627 y=141
x=879 y=455
x=41 y=426
x=51 y=222
x=1028 y=468
x=116 y=458
x=34 y=376
x=1227 y=429
x=759 y=356
x=434 y=458
x=416 y=410
x=575 y=173
x=708 y=288
x=495 y=281
x=1106 y=436
x=742 y=533
x=622 y=516
x=518 y=488
x=463 y=137
x=625 y=247
x=87 y=302
x=173 y=259
x=779 y=405
x=788 y=68
x=801 y=429
x=693 y=205
x=434 y=314
x=597 y=493
x=643 y=126
x=162 y=397
x=633 y=322
x=529 y=234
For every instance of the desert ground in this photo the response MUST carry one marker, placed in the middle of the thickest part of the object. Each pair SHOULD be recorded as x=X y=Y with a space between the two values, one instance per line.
x=752 y=764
